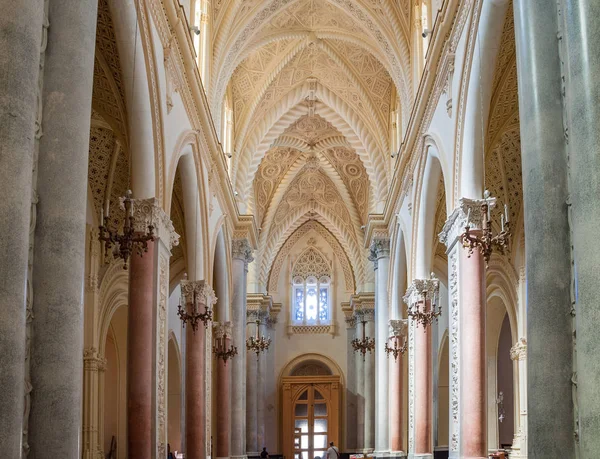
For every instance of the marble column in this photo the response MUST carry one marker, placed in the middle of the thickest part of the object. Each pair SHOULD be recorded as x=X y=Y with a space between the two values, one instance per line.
x=380 y=256
x=242 y=255
x=223 y=394
x=582 y=27
x=195 y=369
x=59 y=253
x=369 y=391
x=261 y=386
x=19 y=59
x=147 y=334
x=251 y=387
x=359 y=365
x=420 y=378
x=397 y=329
x=518 y=353
x=467 y=324
x=351 y=395
x=548 y=257
x=93 y=367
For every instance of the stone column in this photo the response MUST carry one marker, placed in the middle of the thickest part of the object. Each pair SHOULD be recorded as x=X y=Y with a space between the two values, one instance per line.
x=223 y=393
x=518 y=353
x=380 y=255
x=420 y=379
x=251 y=387
x=369 y=370
x=93 y=365
x=261 y=386
x=467 y=312
x=147 y=334
x=548 y=258
x=351 y=395
x=195 y=369
x=359 y=364
x=59 y=253
x=242 y=255
x=397 y=328
x=582 y=27
x=20 y=60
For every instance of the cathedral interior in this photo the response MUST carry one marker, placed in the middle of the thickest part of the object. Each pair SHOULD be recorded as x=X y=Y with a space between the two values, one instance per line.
x=236 y=226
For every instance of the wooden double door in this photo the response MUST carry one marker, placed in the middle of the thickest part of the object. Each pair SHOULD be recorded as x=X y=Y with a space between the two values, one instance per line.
x=311 y=415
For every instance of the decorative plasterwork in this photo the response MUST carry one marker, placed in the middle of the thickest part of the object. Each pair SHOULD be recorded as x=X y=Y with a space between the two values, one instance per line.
x=310 y=225
x=398 y=328
x=147 y=212
x=519 y=350
x=241 y=250
x=311 y=262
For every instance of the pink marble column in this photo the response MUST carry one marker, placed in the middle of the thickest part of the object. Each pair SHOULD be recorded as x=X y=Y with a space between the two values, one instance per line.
x=140 y=345
x=396 y=409
x=223 y=404
x=195 y=395
x=423 y=391
x=473 y=356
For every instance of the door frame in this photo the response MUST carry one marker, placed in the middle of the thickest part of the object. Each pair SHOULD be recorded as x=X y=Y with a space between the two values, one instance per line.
x=290 y=390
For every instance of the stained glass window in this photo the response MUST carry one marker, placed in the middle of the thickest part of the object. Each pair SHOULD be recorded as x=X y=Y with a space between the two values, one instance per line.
x=311 y=303
x=311 y=297
x=324 y=304
x=299 y=303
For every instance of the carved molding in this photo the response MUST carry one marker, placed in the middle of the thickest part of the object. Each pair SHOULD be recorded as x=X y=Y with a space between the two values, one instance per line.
x=519 y=350
x=468 y=212
x=241 y=250
x=148 y=212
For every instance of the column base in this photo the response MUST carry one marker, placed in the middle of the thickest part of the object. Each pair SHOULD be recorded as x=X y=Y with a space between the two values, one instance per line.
x=239 y=457
x=420 y=456
x=379 y=454
x=252 y=454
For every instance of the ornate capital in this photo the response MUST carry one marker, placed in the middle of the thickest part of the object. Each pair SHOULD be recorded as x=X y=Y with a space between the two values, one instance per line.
x=147 y=212
x=241 y=250
x=380 y=248
x=222 y=329
x=519 y=350
x=200 y=290
x=398 y=328
x=468 y=212
x=365 y=314
x=252 y=315
x=92 y=360
x=420 y=287
x=350 y=321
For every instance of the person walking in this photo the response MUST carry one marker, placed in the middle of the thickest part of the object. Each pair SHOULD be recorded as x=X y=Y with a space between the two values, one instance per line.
x=264 y=453
x=333 y=452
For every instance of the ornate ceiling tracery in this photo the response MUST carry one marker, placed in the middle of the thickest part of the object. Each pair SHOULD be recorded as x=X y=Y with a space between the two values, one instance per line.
x=313 y=85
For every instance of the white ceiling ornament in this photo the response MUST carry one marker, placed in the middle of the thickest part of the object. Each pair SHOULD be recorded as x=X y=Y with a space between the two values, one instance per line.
x=311 y=262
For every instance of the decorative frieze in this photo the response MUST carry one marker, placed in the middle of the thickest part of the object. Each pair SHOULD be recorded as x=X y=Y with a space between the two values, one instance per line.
x=469 y=212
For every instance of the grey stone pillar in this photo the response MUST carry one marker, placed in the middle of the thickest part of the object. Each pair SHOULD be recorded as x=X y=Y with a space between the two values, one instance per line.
x=351 y=395
x=21 y=26
x=251 y=388
x=380 y=255
x=544 y=164
x=369 y=365
x=59 y=255
x=582 y=19
x=242 y=255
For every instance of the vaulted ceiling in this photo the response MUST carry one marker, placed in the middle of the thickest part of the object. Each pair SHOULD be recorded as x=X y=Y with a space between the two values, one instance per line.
x=313 y=84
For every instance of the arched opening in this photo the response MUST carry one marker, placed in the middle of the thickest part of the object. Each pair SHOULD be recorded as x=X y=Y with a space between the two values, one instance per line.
x=174 y=397
x=506 y=393
x=115 y=385
x=443 y=405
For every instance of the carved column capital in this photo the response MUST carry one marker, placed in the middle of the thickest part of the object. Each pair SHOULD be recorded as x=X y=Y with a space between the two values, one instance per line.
x=469 y=212
x=519 y=350
x=420 y=287
x=241 y=250
x=92 y=360
x=222 y=329
x=148 y=212
x=398 y=328
x=200 y=290
x=380 y=248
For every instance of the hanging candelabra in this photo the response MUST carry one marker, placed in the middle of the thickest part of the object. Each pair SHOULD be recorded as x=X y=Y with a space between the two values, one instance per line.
x=422 y=299
x=486 y=242
x=220 y=347
x=196 y=302
x=365 y=344
x=129 y=239
x=501 y=410
x=258 y=343
x=398 y=338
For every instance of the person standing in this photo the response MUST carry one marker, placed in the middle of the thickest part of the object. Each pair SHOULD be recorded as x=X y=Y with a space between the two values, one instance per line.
x=333 y=452
x=264 y=453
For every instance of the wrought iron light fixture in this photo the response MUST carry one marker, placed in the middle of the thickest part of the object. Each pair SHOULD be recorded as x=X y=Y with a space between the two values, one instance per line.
x=258 y=343
x=220 y=348
x=422 y=299
x=486 y=242
x=365 y=344
x=124 y=243
x=195 y=304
